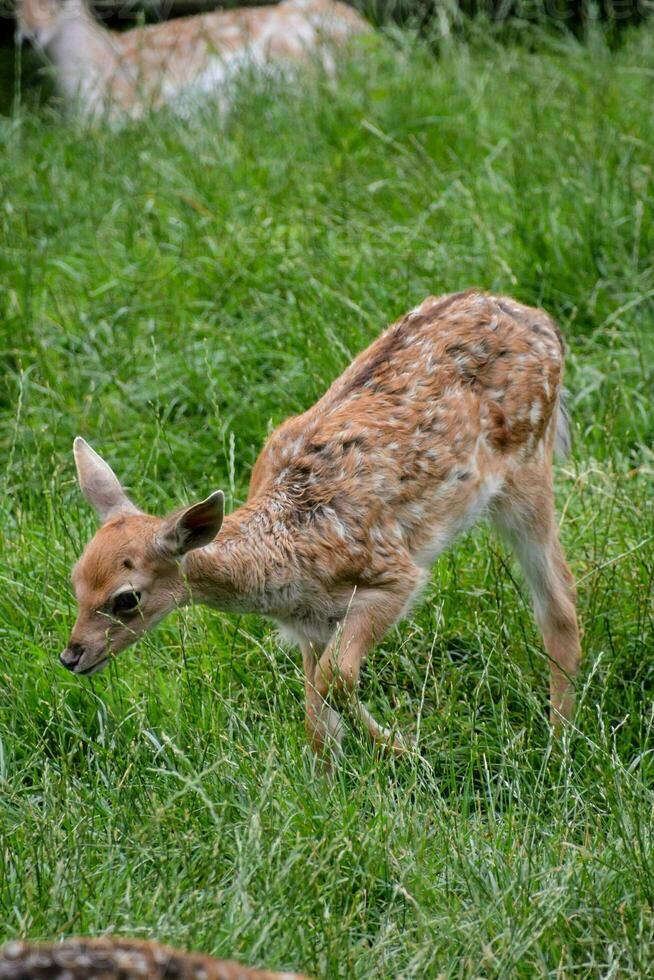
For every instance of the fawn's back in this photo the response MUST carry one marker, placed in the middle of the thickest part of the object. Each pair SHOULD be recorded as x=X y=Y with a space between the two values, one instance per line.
x=419 y=434
x=119 y=959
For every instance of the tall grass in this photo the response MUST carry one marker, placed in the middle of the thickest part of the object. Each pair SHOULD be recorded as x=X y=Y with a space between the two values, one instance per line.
x=174 y=289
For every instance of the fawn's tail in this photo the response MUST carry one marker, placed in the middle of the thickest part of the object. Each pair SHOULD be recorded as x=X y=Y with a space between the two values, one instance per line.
x=562 y=438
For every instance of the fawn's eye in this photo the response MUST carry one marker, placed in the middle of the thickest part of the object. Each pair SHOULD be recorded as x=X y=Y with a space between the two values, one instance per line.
x=126 y=602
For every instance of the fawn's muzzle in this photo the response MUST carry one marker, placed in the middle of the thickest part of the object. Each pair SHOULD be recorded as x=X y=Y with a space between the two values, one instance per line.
x=71 y=656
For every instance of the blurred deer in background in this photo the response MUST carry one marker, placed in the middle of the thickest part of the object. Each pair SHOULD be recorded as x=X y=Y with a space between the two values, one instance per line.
x=112 y=74
x=452 y=414
x=119 y=959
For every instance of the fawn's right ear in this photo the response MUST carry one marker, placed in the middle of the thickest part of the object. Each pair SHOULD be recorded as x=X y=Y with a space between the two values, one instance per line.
x=99 y=483
x=194 y=527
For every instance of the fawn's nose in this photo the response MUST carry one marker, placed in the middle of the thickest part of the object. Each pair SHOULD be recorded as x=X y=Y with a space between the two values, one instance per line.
x=22 y=37
x=72 y=655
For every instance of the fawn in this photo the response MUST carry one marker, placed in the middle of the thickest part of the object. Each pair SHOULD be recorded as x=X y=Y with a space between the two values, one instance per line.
x=452 y=414
x=119 y=959
x=114 y=74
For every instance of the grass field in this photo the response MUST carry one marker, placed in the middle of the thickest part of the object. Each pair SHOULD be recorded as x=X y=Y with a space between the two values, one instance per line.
x=171 y=291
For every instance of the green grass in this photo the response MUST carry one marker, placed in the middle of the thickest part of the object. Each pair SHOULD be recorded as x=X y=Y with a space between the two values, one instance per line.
x=171 y=291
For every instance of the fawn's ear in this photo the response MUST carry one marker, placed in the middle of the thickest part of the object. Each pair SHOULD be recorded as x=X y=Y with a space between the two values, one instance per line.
x=194 y=527
x=99 y=483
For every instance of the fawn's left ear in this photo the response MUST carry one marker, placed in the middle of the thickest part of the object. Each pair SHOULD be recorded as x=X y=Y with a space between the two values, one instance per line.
x=99 y=483
x=194 y=527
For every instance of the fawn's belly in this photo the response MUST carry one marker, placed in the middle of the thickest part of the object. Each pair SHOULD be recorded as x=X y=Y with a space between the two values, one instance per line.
x=445 y=523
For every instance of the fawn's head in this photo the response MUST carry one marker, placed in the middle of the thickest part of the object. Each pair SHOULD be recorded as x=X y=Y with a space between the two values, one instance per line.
x=39 y=21
x=129 y=576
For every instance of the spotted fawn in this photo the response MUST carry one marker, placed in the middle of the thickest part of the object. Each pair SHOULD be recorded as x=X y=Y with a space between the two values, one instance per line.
x=121 y=74
x=119 y=959
x=453 y=414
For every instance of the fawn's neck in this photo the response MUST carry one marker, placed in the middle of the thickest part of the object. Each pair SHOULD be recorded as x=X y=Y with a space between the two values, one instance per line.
x=75 y=47
x=246 y=568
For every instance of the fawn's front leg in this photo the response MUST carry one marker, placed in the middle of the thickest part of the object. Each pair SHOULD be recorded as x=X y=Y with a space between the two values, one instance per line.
x=324 y=725
x=336 y=674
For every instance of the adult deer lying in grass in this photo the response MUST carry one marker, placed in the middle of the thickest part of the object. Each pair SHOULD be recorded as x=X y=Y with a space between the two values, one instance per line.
x=452 y=414
x=115 y=958
x=114 y=74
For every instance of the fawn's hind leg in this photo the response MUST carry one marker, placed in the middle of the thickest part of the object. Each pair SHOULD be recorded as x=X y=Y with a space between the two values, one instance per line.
x=524 y=515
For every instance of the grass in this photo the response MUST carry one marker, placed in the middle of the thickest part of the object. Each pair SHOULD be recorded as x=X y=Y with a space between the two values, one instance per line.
x=174 y=289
